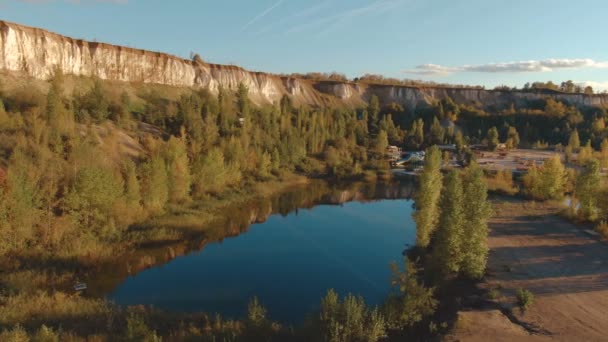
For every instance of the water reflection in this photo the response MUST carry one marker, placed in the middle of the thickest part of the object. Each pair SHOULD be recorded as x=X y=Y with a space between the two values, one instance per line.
x=343 y=245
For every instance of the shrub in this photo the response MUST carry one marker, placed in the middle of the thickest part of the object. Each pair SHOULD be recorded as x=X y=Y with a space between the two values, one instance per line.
x=525 y=299
x=493 y=294
x=17 y=334
x=502 y=183
x=602 y=228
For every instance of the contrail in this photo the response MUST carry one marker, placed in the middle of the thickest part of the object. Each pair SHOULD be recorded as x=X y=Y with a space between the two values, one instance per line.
x=263 y=14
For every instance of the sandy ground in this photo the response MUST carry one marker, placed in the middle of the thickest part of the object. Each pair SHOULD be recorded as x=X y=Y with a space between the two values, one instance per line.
x=513 y=159
x=565 y=267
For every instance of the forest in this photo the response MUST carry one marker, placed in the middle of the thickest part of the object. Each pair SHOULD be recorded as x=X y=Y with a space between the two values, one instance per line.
x=84 y=165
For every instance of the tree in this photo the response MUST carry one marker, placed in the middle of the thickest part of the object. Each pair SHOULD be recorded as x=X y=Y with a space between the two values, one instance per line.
x=381 y=143
x=574 y=142
x=178 y=168
x=492 y=138
x=476 y=214
x=416 y=136
x=243 y=104
x=155 y=187
x=604 y=153
x=448 y=253
x=264 y=165
x=546 y=182
x=410 y=302
x=212 y=173
x=97 y=102
x=92 y=197
x=348 y=320
x=512 y=138
x=427 y=197
x=587 y=190
x=4 y=119
x=132 y=188
x=436 y=132
x=585 y=153
x=373 y=111
x=459 y=141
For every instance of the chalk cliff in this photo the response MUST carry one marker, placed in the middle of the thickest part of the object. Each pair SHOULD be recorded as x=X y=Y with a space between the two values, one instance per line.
x=37 y=52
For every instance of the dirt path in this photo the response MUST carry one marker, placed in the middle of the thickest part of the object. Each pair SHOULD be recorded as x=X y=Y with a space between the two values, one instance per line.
x=565 y=268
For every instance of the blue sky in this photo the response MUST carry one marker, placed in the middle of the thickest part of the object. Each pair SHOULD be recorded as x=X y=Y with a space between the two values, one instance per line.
x=488 y=42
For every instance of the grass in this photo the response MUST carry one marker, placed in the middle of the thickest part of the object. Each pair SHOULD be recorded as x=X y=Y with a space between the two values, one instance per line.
x=501 y=183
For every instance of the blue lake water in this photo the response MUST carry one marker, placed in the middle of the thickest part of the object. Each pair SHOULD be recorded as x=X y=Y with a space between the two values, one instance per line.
x=288 y=262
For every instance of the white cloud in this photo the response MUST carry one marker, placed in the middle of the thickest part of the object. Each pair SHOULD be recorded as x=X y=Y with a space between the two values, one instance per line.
x=73 y=1
x=262 y=14
x=597 y=86
x=509 y=67
x=349 y=14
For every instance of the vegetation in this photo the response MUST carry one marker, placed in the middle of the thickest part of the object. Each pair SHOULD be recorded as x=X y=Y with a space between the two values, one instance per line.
x=525 y=299
x=88 y=172
x=547 y=181
x=427 y=200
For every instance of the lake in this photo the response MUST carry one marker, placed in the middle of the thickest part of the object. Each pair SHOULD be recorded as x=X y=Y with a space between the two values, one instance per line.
x=307 y=240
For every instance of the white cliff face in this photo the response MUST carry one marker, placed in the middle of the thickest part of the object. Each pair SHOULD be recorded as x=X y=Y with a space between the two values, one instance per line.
x=37 y=53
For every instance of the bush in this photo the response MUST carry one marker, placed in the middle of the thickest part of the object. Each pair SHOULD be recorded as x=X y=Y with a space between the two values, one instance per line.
x=525 y=299
x=502 y=183
x=546 y=182
x=493 y=294
x=602 y=228
x=349 y=320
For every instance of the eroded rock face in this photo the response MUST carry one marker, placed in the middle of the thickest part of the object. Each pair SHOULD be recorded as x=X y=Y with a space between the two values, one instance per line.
x=38 y=52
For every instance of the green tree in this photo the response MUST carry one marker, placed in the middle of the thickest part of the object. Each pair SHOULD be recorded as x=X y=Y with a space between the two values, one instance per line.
x=132 y=188
x=243 y=101
x=178 y=167
x=410 y=302
x=459 y=141
x=585 y=153
x=588 y=185
x=349 y=320
x=448 y=253
x=492 y=138
x=512 y=138
x=92 y=197
x=155 y=184
x=427 y=197
x=212 y=173
x=416 y=136
x=476 y=214
x=4 y=118
x=97 y=102
x=604 y=153
x=373 y=111
x=436 y=132
x=264 y=165
x=546 y=182
x=20 y=201
x=381 y=142
x=574 y=142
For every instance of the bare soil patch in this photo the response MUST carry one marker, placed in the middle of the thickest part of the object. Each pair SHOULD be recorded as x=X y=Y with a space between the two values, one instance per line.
x=531 y=247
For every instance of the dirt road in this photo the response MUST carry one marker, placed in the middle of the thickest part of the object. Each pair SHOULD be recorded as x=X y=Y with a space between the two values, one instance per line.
x=565 y=268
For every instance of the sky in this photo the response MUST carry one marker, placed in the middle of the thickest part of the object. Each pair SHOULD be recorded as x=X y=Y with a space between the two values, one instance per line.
x=478 y=42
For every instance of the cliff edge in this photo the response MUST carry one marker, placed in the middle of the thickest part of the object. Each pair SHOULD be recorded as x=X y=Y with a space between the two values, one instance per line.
x=37 y=52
